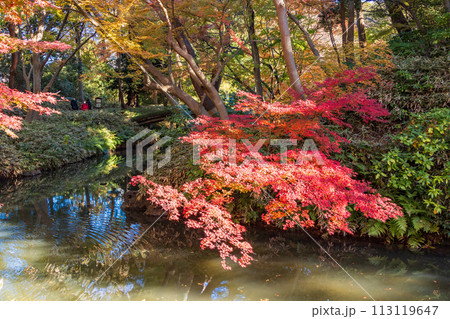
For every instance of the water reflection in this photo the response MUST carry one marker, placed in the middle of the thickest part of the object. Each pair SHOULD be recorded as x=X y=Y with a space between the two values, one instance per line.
x=59 y=233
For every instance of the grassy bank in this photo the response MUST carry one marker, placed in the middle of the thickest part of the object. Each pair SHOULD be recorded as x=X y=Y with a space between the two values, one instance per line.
x=54 y=141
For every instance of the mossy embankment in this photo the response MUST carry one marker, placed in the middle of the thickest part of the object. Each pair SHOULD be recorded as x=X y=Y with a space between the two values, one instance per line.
x=60 y=139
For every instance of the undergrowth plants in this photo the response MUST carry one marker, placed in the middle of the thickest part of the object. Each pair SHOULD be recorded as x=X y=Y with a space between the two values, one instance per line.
x=417 y=172
x=63 y=138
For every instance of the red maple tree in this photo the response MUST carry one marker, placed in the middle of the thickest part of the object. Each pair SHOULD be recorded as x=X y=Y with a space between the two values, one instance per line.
x=304 y=188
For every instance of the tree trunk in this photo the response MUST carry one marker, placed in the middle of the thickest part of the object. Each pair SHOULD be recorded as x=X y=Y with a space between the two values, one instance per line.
x=305 y=32
x=342 y=19
x=333 y=43
x=155 y=97
x=163 y=84
x=78 y=35
x=254 y=47
x=194 y=70
x=37 y=72
x=413 y=15
x=119 y=81
x=80 y=78
x=447 y=5
x=360 y=24
x=36 y=64
x=199 y=85
x=26 y=76
x=12 y=28
x=310 y=42
x=287 y=48
x=132 y=99
x=397 y=17
x=351 y=32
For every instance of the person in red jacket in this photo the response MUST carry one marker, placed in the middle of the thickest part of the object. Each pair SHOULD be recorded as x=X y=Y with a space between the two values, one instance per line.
x=84 y=106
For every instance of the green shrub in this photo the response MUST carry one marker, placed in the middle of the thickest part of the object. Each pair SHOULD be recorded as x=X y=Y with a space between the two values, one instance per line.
x=416 y=174
x=414 y=43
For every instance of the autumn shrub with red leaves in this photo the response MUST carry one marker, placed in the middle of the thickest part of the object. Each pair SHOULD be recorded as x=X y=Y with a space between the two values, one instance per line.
x=302 y=186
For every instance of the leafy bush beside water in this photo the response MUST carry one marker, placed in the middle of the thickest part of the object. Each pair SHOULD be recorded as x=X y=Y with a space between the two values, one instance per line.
x=414 y=170
x=54 y=141
x=417 y=172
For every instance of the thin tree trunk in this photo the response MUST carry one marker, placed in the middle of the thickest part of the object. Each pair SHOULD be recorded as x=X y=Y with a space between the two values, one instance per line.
x=342 y=19
x=333 y=43
x=305 y=32
x=49 y=85
x=287 y=48
x=78 y=35
x=351 y=32
x=12 y=28
x=164 y=85
x=310 y=42
x=254 y=47
x=119 y=81
x=207 y=102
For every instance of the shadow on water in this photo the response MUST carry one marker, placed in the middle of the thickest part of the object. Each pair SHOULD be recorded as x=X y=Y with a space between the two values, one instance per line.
x=61 y=231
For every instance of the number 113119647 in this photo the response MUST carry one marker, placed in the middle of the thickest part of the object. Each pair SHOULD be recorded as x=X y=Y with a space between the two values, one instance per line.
x=383 y=310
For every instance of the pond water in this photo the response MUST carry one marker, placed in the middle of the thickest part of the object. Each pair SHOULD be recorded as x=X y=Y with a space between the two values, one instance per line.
x=64 y=236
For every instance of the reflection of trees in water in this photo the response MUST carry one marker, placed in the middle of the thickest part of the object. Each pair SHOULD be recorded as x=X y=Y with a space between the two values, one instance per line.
x=96 y=173
x=145 y=264
x=79 y=215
